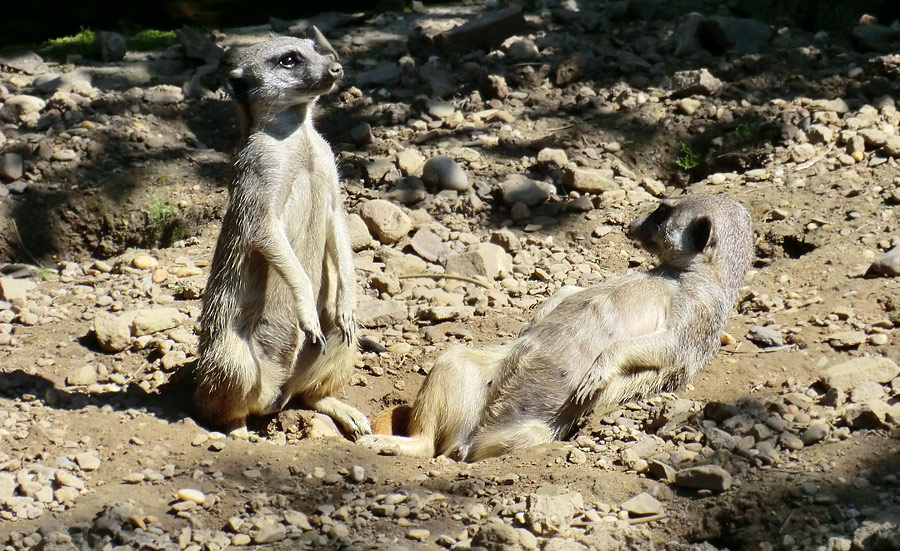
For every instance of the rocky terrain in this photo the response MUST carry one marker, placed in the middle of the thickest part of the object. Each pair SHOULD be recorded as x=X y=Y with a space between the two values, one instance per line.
x=505 y=146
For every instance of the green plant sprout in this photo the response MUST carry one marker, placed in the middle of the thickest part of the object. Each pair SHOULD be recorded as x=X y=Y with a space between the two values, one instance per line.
x=686 y=159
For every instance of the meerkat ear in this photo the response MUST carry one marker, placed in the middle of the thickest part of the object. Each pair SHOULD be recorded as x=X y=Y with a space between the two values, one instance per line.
x=327 y=49
x=700 y=234
x=237 y=86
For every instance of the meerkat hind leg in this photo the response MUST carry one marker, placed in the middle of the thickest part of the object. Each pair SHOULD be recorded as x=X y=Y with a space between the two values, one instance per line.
x=515 y=436
x=409 y=446
x=350 y=419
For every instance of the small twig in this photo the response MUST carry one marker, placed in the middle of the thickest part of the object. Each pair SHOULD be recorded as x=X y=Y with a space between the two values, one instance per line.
x=649 y=518
x=786 y=521
x=557 y=129
x=448 y=276
x=22 y=243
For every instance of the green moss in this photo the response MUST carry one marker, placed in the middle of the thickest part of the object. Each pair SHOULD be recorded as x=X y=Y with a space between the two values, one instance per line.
x=81 y=43
x=151 y=39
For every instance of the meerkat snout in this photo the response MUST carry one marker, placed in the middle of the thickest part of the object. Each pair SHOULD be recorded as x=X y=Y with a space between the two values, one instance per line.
x=335 y=70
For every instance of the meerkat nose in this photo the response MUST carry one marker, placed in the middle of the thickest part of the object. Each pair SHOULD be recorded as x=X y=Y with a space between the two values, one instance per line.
x=335 y=70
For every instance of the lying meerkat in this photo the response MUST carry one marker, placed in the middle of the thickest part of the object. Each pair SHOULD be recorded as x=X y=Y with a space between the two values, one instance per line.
x=626 y=338
x=278 y=310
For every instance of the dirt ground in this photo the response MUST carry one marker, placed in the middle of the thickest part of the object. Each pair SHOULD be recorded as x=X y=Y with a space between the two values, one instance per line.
x=128 y=222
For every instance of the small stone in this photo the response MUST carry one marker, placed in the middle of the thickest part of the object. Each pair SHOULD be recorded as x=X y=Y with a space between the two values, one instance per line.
x=11 y=166
x=65 y=478
x=444 y=173
x=790 y=441
x=803 y=152
x=360 y=238
x=429 y=246
x=819 y=134
x=152 y=320
x=485 y=260
x=410 y=162
x=698 y=82
x=110 y=45
x=144 y=262
x=160 y=275
x=577 y=457
x=846 y=376
x=298 y=519
x=846 y=339
x=689 y=106
x=520 y=189
x=362 y=134
x=887 y=265
x=892 y=146
x=85 y=375
x=87 y=461
x=66 y=494
x=765 y=337
x=592 y=180
x=15 y=290
x=418 y=534
x=552 y=156
x=815 y=433
x=643 y=504
x=113 y=333
x=705 y=477
x=879 y=339
x=240 y=539
x=189 y=494
x=662 y=471
x=387 y=222
x=270 y=534
x=866 y=391
x=133 y=478
x=358 y=474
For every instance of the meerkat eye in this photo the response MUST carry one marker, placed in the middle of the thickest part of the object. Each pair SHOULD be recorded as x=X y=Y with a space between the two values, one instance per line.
x=289 y=61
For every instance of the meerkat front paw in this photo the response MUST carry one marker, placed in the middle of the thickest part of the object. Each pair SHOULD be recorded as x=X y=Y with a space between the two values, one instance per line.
x=347 y=324
x=353 y=421
x=595 y=380
x=310 y=325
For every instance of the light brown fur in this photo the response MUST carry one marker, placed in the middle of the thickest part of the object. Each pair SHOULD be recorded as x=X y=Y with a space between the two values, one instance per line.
x=626 y=338
x=278 y=310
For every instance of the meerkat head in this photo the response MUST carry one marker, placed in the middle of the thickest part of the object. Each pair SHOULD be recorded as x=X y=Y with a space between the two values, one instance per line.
x=676 y=232
x=282 y=72
x=691 y=227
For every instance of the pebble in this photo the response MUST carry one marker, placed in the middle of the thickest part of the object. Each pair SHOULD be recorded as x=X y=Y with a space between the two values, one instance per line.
x=418 y=534
x=643 y=504
x=270 y=534
x=87 y=461
x=189 y=494
x=85 y=375
x=443 y=172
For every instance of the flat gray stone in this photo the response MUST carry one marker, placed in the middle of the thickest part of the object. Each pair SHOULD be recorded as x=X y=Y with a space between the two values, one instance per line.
x=705 y=477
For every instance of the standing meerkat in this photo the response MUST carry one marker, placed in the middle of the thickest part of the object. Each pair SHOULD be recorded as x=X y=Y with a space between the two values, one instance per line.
x=626 y=338
x=278 y=310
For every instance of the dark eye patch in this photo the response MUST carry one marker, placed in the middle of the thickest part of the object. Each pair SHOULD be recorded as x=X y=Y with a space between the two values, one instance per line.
x=660 y=215
x=289 y=60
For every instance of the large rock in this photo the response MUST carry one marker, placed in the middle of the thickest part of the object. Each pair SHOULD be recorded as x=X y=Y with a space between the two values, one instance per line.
x=113 y=334
x=153 y=320
x=521 y=189
x=387 y=222
x=11 y=166
x=887 y=265
x=480 y=260
x=705 y=477
x=360 y=238
x=699 y=82
x=485 y=32
x=429 y=245
x=591 y=180
x=379 y=313
x=21 y=108
x=552 y=513
x=15 y=290
x=643 y=504
x=847 y=375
